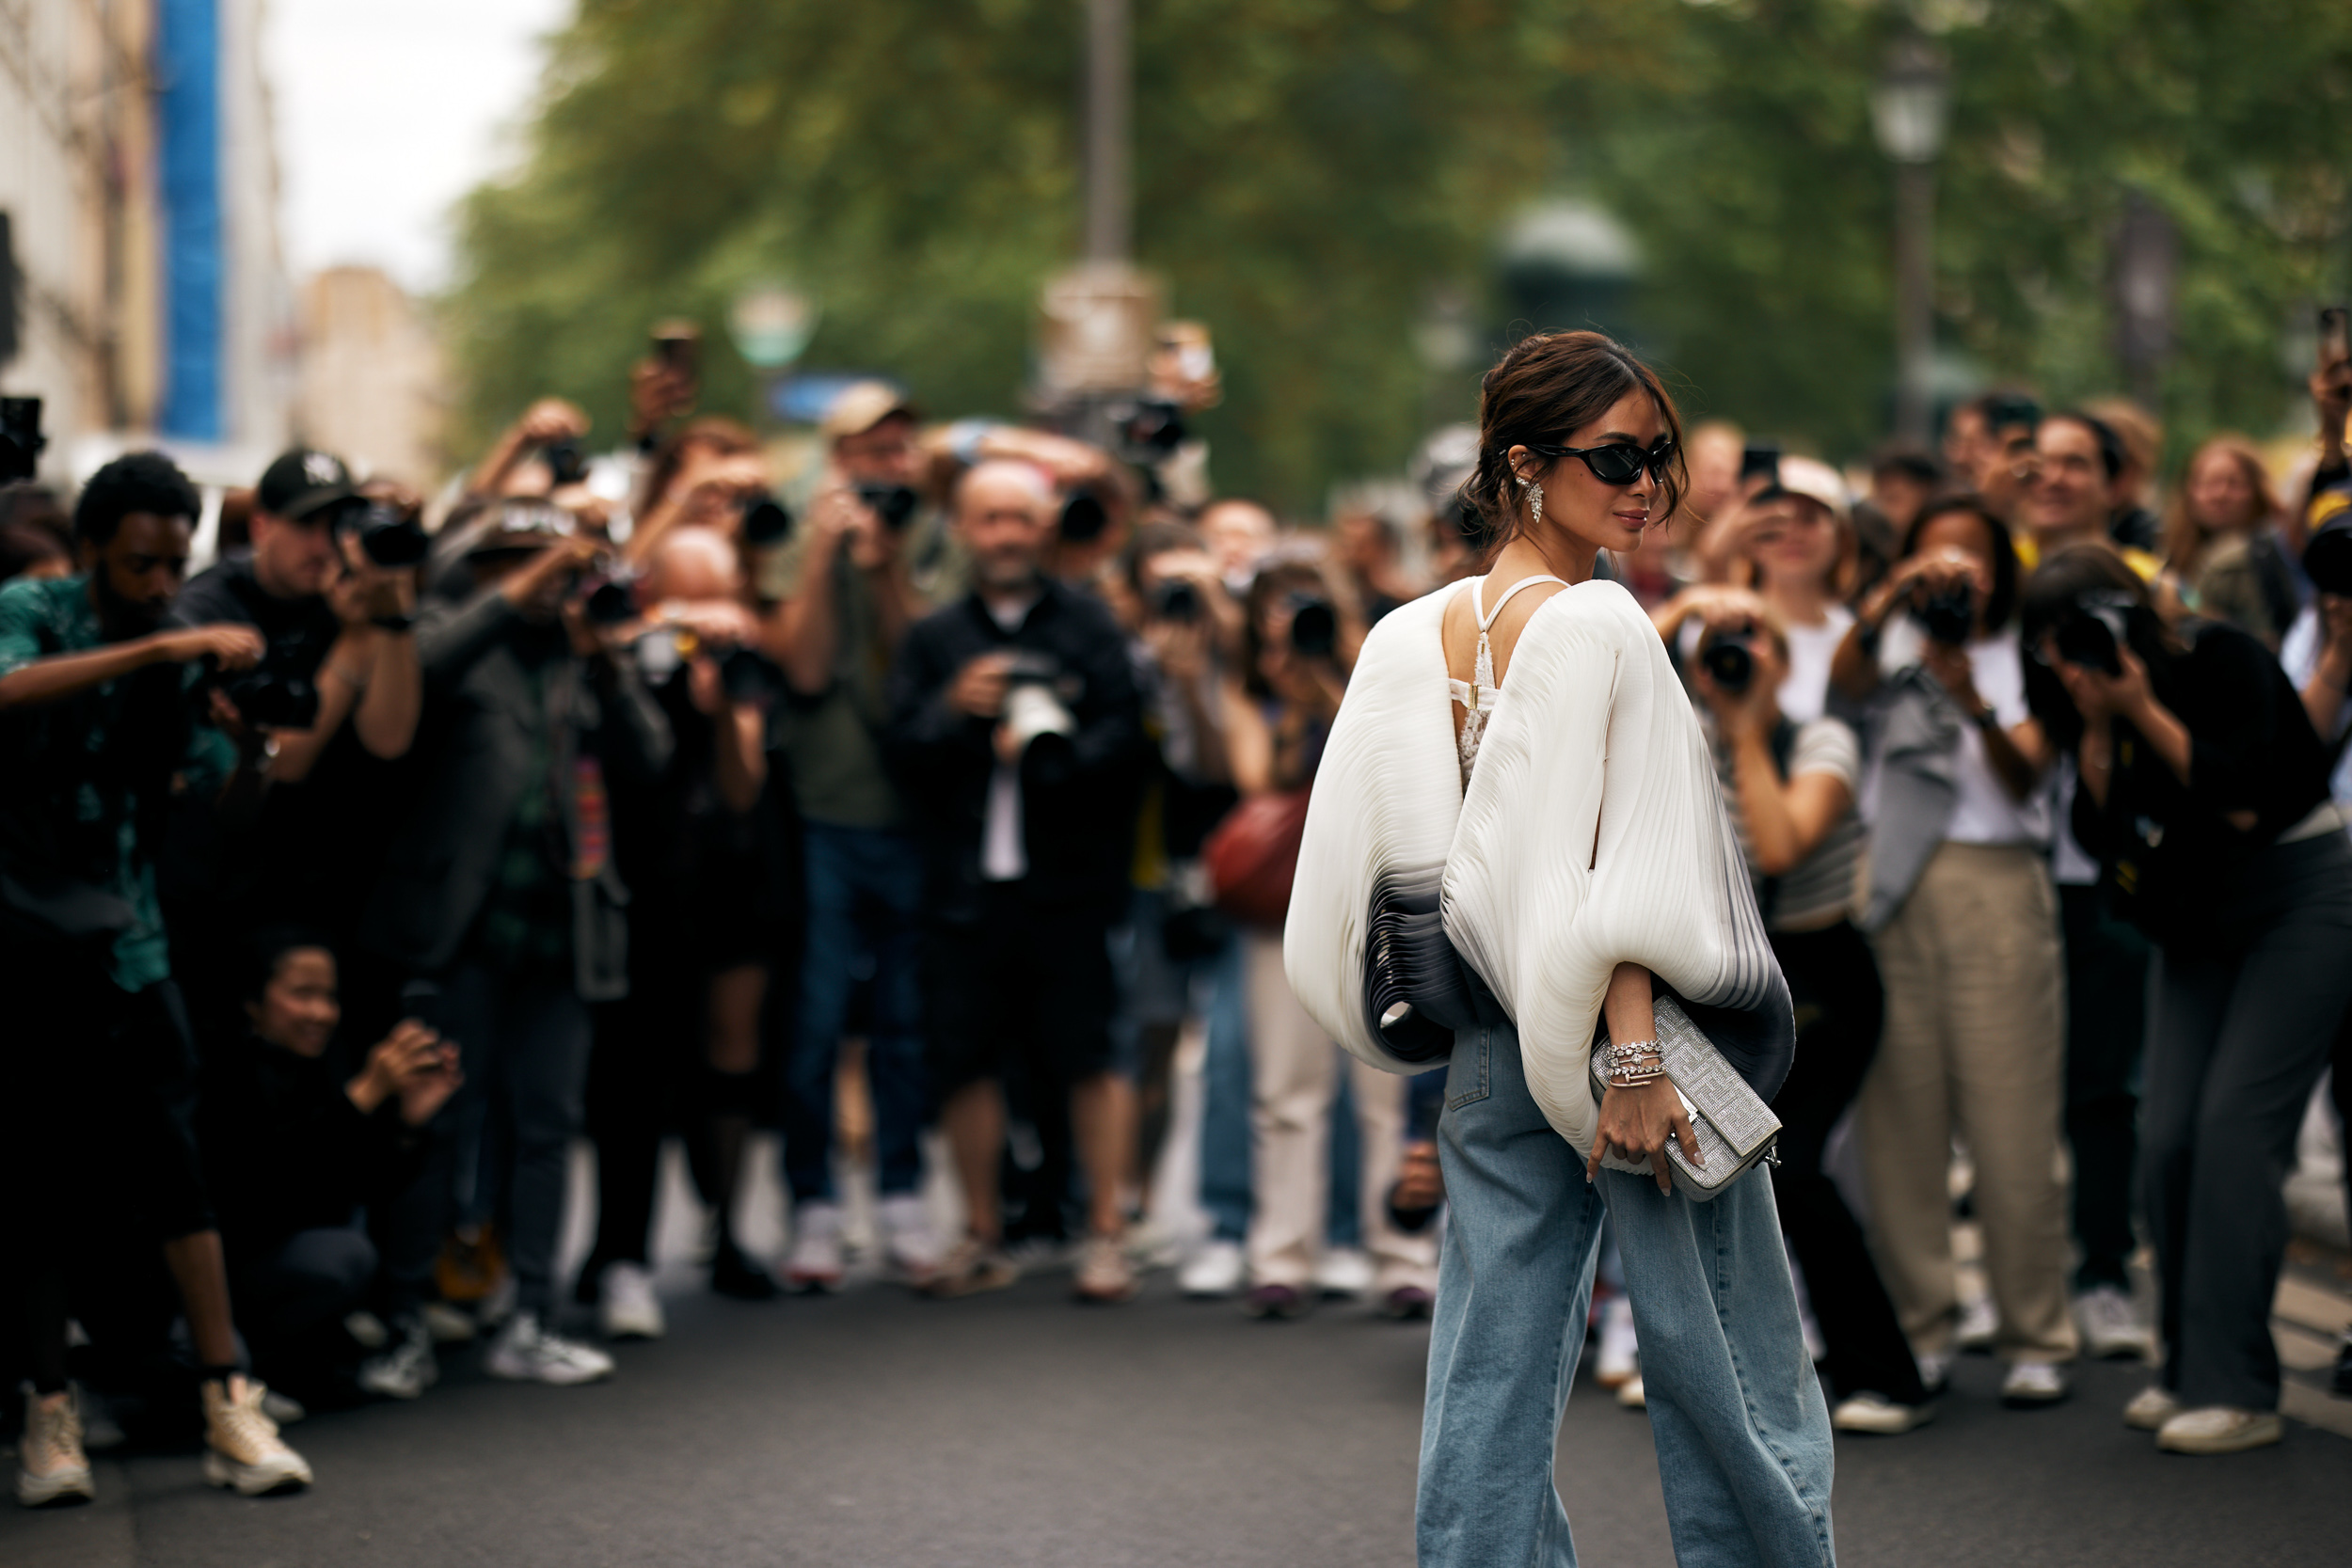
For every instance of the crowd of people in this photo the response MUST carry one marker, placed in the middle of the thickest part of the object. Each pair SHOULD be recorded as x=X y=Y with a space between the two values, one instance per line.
x=955 y=780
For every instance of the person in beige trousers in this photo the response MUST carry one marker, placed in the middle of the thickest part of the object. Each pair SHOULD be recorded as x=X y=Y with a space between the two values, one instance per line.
x=1975 y=1047
x=1294 y=1073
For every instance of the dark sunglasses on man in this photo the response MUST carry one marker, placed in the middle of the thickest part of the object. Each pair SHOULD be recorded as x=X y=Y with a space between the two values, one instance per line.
x=1618 y=462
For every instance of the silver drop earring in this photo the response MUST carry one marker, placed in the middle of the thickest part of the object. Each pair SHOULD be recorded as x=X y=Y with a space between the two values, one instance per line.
x=1534 y=502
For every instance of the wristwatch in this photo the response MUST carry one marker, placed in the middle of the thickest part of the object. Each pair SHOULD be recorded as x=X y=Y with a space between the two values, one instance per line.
x=1985 y=718
x=392 y=623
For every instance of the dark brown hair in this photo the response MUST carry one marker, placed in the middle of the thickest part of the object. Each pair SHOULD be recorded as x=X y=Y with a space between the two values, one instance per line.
x=2001 y=603
x=1541 y=393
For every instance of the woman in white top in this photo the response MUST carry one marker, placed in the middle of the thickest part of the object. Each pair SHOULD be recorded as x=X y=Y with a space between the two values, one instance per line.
x=1516 y=828
x=1965 y=923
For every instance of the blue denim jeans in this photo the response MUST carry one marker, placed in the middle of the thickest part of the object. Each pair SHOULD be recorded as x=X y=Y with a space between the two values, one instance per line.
x=1736 y=1411
x=865 y=902
x=1225 y=1186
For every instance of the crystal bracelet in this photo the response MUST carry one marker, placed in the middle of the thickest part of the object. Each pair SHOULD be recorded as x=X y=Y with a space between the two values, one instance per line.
x=1631 y=1063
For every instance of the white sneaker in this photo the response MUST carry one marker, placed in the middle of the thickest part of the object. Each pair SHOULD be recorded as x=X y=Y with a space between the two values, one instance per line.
x=1935 y=1369
x=525 y=1352
x=1212 y=1273
x=1344 y=1272
x=407 y=1370
x=814 y=1261
x=367 y=1331
x=499 y=1306
x=626 y=1309
x=1630 y=1394
x=1619 y=1347
x=1880 y=1416
x=1979 y=1325
x=2111 y=1329
x=2218 y=1429
x=51 y=1466
x=2150 y=1408
x=2028 y=1384
x=242 y=1449
x=910 y=1245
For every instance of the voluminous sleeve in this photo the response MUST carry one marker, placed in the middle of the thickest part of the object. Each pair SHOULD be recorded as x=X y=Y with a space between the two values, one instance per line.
x=1593 y=834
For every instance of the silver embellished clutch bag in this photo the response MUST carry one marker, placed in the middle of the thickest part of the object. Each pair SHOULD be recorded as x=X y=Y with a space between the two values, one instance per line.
x=1733 y=1126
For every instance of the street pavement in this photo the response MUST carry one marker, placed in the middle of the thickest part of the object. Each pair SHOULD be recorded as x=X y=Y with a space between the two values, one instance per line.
x=873 y=1428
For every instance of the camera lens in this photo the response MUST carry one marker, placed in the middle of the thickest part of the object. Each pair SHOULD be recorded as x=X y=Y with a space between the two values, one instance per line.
x=1729 y=660
x=609 y=602
x=2327 y=558
x=1175 y=600
x=388 y=536
x=765 y=520
x=1315 y=626
x=1950 y=615
x=894 y=503
x=1083 y=518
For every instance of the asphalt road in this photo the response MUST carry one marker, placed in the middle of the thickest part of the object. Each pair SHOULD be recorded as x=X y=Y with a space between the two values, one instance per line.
x=875 y=1428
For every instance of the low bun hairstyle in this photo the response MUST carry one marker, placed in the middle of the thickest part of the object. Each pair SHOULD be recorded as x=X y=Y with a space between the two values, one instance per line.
x=1541 y=393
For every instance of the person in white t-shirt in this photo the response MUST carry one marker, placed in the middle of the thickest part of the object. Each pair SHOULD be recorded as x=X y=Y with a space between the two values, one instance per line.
x=1792 y=540
x=1965 y=924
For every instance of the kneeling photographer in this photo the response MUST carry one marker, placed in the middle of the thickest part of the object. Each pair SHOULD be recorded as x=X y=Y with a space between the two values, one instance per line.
x=1791 y=788
x=500 y=887
x=2204 y=797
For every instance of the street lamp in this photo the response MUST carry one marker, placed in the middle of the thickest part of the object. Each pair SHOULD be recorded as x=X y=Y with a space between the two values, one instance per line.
x=1907 y=111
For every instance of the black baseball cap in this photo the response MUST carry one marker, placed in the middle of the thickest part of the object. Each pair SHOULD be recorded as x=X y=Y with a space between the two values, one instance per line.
x=302 y=482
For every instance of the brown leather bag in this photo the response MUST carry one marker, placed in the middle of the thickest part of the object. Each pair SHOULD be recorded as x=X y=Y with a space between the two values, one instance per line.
x=1252 y=856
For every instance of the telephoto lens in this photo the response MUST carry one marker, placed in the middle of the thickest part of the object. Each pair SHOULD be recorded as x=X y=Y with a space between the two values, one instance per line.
x=1728 y=657
x=1315 y=626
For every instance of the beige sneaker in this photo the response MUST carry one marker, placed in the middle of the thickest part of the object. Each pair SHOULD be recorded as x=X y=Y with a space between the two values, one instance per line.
x=242 y=1449
x=51 y=1467
x=2150 y=1408
x=1105 y=1274
x=974 y=1266
x=2218 y=1429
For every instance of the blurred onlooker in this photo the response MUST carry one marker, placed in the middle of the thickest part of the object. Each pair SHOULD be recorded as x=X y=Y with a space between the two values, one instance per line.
x=1990 y=449
x=2131 y=524
x=2205 y=799
x=1793 y=542
x=2077 y=458
x=1372 y=551
x=296 y=1142
x=700 y=849
x=1297 y=649
x=29 y=551
x=1015 y=733
x=704 y=477
x=1792 y=786
x=1966 y=934
x=103 y=711
x=536 y=455
x=2222 y=554
x=842 y=600
x=1715 y=449
x=499 y=887
x=1240 y=534
x=1902 y=479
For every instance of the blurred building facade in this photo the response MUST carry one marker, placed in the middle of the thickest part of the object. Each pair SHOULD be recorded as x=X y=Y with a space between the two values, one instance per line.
x=147 y=297
x=371 y=376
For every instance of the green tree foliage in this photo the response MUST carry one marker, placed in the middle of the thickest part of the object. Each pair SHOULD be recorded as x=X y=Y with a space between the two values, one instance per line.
x=1309 y=171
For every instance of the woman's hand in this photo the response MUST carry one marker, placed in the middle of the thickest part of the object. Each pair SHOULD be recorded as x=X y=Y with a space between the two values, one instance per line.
x=2098 y=696
x=1635 y=1124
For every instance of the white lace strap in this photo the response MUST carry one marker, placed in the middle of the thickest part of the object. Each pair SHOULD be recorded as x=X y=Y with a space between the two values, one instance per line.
x=1486 y=617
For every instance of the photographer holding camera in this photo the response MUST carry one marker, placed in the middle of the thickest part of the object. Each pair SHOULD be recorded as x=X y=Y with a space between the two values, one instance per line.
x=1966 y=932
x=2204 y=797
x=499 y=887
x=1016 y=739
x=104 y=710
x=841 y=604
x=703 y=853
x=1792 y=787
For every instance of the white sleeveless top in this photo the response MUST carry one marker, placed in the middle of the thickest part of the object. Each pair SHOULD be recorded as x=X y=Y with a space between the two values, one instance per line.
x=1479 y=694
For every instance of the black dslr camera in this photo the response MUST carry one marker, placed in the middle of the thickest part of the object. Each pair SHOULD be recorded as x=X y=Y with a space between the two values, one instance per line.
x=21 y=441
x=273 y=695
x=1314 y=625
x=1950 y=615
x=1174 y=599
x=894 y=504
x=388 y=536
x=1728 y=657
x=2093 y=630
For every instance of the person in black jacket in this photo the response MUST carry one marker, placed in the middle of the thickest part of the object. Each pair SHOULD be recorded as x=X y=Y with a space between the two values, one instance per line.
x=500 y=888
x=1016 y=735
x=2204 y=797
x=295 y=1145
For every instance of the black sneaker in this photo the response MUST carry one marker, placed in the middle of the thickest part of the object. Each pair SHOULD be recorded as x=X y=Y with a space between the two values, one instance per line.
x=734 y=1274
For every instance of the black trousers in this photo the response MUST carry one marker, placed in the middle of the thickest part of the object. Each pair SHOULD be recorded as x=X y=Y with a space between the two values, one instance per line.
x=2246 y=1009
x=2107 y=1022
x=1840 y=1007
x=292 y=1298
